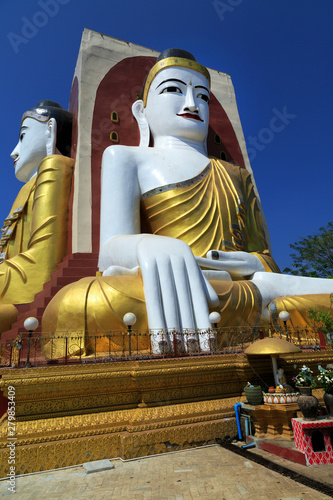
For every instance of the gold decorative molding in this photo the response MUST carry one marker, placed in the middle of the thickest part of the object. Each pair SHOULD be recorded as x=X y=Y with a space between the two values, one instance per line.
x=70 y=414
x=59 y=442
x=70 y=390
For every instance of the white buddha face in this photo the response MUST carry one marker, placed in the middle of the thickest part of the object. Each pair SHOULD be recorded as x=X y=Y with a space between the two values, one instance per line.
x=177 y=104
x=31 y=148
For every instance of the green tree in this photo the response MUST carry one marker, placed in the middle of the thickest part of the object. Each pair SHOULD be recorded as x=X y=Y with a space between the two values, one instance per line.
x=321 y=319
x=313 y=254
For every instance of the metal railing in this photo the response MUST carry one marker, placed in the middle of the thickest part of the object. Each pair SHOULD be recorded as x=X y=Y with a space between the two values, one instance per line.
x=91 y=347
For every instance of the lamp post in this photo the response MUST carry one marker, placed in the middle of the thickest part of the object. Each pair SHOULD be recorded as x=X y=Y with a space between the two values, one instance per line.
x=30 y=325
x=285 y=316
x=129 y=319
x=214 y=318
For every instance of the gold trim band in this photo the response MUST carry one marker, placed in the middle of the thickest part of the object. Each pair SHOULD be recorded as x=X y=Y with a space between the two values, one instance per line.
x=37 y=115
x=167 y=63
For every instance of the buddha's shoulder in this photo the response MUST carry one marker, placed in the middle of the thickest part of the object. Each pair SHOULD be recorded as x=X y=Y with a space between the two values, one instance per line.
x=125 y=153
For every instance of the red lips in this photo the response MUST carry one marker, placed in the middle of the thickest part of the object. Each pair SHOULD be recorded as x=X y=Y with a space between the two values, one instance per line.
x=190 y=115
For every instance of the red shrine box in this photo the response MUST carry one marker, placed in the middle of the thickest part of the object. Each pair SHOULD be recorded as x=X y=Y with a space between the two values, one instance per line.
x=315 y=439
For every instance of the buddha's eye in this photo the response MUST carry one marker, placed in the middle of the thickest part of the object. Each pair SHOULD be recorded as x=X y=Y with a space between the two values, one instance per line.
x=204 y=97
x=21 y=136
x=171 y=89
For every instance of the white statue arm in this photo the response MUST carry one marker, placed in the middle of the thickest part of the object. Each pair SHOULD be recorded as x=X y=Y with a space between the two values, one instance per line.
x=120 y=207
x=270 y=285
x=273 y=285
x=177 y=294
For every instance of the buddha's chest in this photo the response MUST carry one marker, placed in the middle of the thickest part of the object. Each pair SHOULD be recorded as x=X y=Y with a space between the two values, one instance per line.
x=165 y=168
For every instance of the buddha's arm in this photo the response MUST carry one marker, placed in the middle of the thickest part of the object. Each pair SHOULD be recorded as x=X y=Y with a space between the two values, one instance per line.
x=24 y=274
x=120 y=209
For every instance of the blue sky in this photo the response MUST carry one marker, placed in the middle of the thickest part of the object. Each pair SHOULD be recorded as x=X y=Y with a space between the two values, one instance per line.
x=278 y=53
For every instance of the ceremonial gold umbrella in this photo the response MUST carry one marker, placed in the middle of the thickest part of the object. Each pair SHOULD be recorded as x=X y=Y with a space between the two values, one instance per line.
x=273 y=347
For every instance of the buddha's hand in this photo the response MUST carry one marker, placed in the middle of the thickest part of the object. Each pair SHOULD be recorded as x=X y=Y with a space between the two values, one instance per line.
x=177 y=294
x=236 y=263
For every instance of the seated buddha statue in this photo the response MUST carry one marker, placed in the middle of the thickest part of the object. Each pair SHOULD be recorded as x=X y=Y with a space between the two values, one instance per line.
x=34 y=235
x=181 y=234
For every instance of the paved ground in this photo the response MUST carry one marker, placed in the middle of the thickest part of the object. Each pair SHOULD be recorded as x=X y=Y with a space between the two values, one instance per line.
x=205 y=473
x=321 y=473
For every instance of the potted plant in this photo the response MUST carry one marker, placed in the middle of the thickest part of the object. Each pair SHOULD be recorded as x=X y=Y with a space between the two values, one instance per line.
x=308 y=404
x=304 y=380
x=325 y=380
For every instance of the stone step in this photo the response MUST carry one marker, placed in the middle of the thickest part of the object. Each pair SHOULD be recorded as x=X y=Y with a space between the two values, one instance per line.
x=35 y=312
x=11 y=335
x=77 y=263
x=62 y=281
x=83 y=256
x=23 y=307
x=71 y=269
x=75 y=272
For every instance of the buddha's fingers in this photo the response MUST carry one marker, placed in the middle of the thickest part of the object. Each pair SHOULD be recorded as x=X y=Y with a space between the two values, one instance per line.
x=183 y=292
x=199 y=295
x=239 y=263
x=168 y=292
x=175 y=290
x=223 y=264
x=210 y=263
x=211 y=295
x=176 y=294
x=153 y=295
x=215 y=275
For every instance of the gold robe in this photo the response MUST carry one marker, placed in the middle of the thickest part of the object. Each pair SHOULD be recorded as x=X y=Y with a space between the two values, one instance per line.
x=34 y=235
x=297 y=306
x=215 y=210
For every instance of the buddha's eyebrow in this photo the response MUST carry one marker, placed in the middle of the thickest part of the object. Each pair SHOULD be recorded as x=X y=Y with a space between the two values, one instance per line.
x=201 y=87
x=22 y=128
x=171 y=80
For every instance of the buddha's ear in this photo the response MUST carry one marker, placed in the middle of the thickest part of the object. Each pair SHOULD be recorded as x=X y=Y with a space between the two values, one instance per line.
x=51 y=140
x=139 y=114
